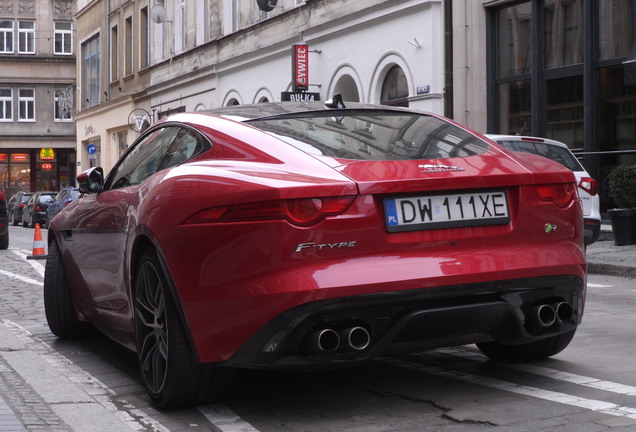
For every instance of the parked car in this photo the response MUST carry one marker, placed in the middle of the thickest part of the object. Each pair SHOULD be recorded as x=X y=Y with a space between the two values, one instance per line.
x=559 y=152
x=16 y=206
x=303 y=235
x=61 y=200
x=35 y=210
x=4 y=223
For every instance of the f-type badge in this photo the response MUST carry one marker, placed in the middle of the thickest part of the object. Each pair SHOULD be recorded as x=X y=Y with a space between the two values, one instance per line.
x=430 y=168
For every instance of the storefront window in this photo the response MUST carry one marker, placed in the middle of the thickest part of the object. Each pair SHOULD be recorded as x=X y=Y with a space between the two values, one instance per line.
x=513 y=40
x=46 y=170
x=618 y=116
x=565 y=111
x=563 y=32
x=514 y=111
x=19 y=172
x=4 y=173
x=617 y=28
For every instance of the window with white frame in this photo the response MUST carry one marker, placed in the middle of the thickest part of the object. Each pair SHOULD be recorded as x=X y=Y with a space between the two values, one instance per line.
x=144 y=46
x=64 y=104
x=128 y=46
x=180 y=26
x=63 y=38
x=6 y=104
x=90 y=72
x=114 y=53
x=26 y=105
x=26 y=37
x=236 y=15
x=6 y=36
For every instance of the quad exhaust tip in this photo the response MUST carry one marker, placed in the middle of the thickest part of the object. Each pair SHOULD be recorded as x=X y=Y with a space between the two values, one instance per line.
x=329 y=340
x=544 y=316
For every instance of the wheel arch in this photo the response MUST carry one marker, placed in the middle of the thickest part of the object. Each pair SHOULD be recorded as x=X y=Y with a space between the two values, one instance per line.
x=142 y=244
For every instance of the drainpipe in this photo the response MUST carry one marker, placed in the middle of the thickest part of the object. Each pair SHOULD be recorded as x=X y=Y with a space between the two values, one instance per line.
x=448 y=59
x=106 y=93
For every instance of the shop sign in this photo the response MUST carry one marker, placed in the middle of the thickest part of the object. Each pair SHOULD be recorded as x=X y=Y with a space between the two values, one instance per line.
x=299 y=96
x=3 y=157
x=47 y=154
x=47 y=166
x=300 y=67
x=19 y=157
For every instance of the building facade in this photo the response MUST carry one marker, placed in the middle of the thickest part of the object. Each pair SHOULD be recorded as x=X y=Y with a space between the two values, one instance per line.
x=37 y=89
x=553 y=68
x=151 y=58
x=562 y=69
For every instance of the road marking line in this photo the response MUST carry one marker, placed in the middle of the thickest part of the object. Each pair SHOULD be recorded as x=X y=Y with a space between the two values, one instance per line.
x=537 y=393
x=225 y=419
x=35 y=264
x=593 y=285
x=547 y=372
x=20 y=277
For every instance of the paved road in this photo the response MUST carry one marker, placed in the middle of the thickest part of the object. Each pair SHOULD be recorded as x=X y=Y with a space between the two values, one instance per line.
x=92 y=385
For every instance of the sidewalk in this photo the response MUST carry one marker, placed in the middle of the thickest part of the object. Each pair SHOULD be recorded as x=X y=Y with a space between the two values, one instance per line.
x=604 y=257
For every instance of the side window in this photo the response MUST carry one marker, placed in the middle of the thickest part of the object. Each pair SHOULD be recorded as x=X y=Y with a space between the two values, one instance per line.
x=144 y=159
x=186 y=145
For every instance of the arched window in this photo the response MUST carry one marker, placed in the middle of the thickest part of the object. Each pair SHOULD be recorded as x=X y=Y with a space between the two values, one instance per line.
x=263 y=99
x=395 y=89
x=232 y=102
x=347 y=87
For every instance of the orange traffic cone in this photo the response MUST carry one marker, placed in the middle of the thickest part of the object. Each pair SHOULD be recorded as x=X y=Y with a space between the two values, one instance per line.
x=38 y=245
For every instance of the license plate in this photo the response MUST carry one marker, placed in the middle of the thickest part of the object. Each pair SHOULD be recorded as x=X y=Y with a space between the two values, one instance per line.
x=446 y=211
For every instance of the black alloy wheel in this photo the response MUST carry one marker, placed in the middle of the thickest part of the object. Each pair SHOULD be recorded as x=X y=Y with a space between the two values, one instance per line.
x=170 y=372
x=59 y=309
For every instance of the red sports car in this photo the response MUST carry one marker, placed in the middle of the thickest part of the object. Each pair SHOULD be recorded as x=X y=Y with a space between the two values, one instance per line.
x=302 y=235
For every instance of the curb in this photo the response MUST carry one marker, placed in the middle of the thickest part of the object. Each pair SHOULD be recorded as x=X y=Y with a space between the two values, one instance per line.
x=611 y=269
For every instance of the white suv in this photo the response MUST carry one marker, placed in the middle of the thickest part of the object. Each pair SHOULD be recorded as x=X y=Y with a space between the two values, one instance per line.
x=559 y=152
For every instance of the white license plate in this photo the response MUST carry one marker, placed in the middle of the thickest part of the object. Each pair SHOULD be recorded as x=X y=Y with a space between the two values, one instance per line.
x=446 y=211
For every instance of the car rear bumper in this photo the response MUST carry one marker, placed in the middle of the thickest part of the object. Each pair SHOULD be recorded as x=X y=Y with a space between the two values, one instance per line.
x=505 y=311
x=591 y=231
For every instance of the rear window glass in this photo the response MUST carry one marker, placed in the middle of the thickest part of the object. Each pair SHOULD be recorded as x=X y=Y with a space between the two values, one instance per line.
x=556 y=153
x=372 y=135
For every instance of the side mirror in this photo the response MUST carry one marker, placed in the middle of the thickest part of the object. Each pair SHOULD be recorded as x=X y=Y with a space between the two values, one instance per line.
x=91 y=180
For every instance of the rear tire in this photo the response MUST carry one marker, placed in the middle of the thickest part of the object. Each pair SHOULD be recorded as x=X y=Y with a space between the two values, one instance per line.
x=58 y=303
x=4 y=241
x=169 y=370
x=527 y=352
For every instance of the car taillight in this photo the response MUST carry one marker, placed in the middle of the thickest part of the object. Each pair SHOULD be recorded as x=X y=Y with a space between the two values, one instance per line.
x=561 y=194
x=589 y=185
x=301 y=212
x=22 y=205
x=36 y=208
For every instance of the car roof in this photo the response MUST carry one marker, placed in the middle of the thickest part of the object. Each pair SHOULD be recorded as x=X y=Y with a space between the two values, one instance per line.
x=273 y=109
x=498 y=137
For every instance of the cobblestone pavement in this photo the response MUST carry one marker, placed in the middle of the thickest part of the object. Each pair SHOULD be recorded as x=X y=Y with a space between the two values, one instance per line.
x=40 y=390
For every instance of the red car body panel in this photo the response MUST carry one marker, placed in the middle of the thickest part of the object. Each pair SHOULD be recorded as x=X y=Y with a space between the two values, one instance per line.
x=232 y=278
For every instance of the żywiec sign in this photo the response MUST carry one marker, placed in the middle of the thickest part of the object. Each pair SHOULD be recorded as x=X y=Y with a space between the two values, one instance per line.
x=299 y=96
x=300 y=67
